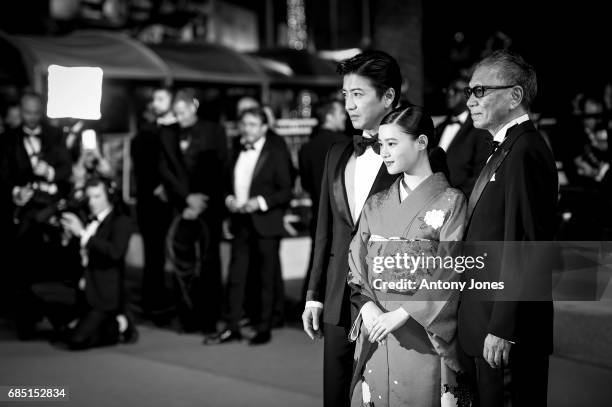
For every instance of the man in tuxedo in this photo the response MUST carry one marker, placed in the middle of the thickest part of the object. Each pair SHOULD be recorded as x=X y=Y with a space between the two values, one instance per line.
x=261 y=191
x=353 y=171
x=467 y=147
x=36 y=170
x=104 y=243
x=514 y=199
x=152 y=207
x=190 y=156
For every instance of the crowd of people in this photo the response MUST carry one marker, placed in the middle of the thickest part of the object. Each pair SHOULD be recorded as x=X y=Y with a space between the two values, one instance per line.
x=484 y=173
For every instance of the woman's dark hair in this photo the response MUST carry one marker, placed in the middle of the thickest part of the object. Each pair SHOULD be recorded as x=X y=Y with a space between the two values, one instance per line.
x=414 y=121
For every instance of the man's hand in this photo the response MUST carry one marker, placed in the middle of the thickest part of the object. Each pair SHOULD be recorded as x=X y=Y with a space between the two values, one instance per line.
x=496 y=350
x=42 y=169
x=72 y=223
x=160 y=193
x=311 y=318
x=23 y=195
x=197 y=202
x=251 y=206
x=231 y=205
x=387 y=323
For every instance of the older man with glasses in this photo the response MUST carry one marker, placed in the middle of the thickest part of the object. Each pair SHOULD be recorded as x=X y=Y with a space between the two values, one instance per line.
x=509 y=342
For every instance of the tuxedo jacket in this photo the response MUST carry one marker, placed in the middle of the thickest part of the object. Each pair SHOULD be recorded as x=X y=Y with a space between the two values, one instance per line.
x=312 y=160
x=271 y=180
x=335 y=229
x=104 y=274
x=207 y=150
x=514 y=200
x=17 y=169
x=466 y=155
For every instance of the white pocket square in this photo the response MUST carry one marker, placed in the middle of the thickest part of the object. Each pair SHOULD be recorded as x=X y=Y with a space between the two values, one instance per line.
x=492 y=178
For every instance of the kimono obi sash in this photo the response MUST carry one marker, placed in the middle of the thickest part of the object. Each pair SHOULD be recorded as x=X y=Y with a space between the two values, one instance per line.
x=395 y=262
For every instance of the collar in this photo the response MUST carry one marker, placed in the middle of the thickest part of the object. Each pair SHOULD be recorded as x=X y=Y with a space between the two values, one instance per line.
x=463 y=116
x=165 y=120
x=258 y=145
x=369 y=133
x=32 y=132
x=500 y=136
x=413 y=181
x=102 y=215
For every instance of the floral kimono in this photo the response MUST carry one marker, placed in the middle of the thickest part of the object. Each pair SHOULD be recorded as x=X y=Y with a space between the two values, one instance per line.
x=416 y=365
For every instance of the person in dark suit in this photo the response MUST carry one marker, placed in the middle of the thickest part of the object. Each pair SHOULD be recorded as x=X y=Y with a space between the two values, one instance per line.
x=190 y=156
x=104 y=243
x=467 y=147
x=36 y=169
x=353 y=171
x=152 y=208
x=331 y=118
x=260 y=193
x=508 y=343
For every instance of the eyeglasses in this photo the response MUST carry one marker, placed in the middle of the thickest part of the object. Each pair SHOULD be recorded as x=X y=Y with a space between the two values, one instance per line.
x=479 y=91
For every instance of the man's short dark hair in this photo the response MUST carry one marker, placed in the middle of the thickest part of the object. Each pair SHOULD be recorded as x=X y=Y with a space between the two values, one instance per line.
x=186 y=95
x=255 y=111
x=515 y=71
x=325 y=107
x=379 y=67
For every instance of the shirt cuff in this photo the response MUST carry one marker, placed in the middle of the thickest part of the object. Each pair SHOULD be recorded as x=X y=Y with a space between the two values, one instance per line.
x=263 y=206
x=85 y=236
x=314 y=304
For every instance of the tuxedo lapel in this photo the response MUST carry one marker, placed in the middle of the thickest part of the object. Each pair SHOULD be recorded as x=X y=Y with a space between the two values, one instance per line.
x=339 y=187
x=261 y=160
x=494 y=163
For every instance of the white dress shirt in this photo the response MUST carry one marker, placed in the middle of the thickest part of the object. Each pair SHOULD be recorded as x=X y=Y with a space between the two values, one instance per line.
x=243 y=174
x=500 y=136
x=90 y=230
x=359 y=175
x=451 y=130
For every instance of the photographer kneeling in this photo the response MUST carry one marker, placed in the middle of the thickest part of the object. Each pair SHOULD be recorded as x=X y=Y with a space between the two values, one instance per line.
x=104 y=243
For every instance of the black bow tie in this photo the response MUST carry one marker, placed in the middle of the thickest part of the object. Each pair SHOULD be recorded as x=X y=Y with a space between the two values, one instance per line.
x=361 y=143
x=247 y=147
x=493 y=146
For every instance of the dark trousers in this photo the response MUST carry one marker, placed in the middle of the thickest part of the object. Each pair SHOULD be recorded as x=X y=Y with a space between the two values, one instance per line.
x=261 y=256
x=338 y=354
x=524 y=382
x=96 y=328
x=153 y=222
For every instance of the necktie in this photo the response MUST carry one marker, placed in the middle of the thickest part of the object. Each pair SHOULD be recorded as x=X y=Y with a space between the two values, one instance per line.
x=361 y=143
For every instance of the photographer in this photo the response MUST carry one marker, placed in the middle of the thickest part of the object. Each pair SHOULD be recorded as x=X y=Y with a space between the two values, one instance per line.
x=35 y=171
x=104 y=243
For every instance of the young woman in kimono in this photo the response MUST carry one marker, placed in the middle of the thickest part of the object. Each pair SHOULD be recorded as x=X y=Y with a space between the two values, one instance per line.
x=406 y=336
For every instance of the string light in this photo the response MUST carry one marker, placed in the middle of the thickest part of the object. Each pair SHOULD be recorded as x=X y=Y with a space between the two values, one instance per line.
x=296 y=24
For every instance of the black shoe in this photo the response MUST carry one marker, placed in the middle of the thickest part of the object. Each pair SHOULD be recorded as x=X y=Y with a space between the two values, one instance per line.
x=260 y=338
x=130 y=335
x=225 y=336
